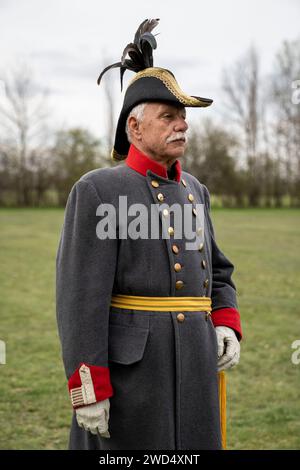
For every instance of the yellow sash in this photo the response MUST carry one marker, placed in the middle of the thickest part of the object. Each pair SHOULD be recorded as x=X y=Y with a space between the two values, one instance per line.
x=162 y=304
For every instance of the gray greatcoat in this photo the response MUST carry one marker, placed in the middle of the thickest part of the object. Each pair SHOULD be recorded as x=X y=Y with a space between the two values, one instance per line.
x=163 y=372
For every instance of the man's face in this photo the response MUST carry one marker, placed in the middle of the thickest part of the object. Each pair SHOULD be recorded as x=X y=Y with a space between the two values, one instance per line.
x=161 y=132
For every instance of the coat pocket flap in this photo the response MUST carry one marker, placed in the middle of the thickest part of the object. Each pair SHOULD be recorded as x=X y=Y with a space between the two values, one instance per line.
x=126 y=344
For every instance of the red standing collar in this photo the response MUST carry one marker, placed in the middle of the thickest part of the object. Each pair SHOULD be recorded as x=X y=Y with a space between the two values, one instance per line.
x=139 y=162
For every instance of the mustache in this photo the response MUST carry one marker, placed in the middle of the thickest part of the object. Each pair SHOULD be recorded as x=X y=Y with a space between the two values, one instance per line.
x=176 y=136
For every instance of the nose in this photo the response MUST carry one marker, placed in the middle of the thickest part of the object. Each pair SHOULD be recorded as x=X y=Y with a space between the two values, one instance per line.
x=181 y=125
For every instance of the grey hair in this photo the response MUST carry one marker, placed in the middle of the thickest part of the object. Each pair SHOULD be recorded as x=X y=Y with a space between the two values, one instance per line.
x=138 y=113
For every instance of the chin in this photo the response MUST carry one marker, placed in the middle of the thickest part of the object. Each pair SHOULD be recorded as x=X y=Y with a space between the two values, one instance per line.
x=175 y=151
x=178 y=152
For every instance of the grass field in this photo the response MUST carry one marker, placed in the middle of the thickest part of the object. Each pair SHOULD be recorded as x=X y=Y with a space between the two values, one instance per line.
x=263 y=391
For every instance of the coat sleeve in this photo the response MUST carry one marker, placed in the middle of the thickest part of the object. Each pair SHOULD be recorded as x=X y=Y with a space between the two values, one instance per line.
x=85 y=269
x=224 y=303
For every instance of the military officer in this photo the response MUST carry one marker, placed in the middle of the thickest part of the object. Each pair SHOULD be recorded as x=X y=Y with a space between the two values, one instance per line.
x=145 y=322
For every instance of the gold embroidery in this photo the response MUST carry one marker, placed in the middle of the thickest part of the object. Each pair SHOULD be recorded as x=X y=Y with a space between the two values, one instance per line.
x=87 y=387
x=171 y=83
x=77 y=397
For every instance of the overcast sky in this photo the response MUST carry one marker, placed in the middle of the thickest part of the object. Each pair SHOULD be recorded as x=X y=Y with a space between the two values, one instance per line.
x=68 y=42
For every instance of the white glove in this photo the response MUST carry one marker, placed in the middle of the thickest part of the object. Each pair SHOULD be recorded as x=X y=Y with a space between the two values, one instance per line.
x=94 y=418
x=228 y=348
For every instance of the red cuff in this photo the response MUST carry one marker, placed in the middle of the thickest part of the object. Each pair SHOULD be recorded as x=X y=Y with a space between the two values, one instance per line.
x=228 y=317
x=89 y=384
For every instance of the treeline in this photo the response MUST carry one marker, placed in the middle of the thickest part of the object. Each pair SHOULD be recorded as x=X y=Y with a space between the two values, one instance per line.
x=46 y=176
x=250 y=156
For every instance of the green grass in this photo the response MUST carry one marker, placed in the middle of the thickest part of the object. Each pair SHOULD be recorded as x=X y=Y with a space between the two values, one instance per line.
x=263 y=391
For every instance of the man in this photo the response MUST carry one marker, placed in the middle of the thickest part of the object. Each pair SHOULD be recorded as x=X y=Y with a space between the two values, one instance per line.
x=145 y=322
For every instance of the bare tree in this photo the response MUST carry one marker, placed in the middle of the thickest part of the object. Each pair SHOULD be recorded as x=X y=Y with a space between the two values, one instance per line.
x=210 y=158
x=23 y=116
x=108 y=83
x=110 y=113
x=286 y=122
x=242 y=90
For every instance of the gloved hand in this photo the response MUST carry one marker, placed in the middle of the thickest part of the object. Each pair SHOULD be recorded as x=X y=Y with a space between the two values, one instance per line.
x=94 y=418
x=228 y=348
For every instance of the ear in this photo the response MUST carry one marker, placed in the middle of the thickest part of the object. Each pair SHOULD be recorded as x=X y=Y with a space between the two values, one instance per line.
x=134 y=128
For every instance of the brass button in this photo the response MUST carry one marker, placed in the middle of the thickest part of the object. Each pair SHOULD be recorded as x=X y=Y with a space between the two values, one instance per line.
x=175 y=249
x=194 y=211
x=199 y=230
x=155 y=183
x=179 y=285
x=203 y=264
x=165 y=212
x=177 y=267
x=183 y=182
x=190 y=197
x=201 y=246
x=170 y=230
x=160 y=197
x=180 y=317
x=205 y=283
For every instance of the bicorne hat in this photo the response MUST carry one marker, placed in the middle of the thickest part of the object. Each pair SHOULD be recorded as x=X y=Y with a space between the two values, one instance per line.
x=149 y=84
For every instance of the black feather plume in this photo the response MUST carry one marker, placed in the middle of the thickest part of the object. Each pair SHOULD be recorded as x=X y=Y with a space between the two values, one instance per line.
x=139 y=51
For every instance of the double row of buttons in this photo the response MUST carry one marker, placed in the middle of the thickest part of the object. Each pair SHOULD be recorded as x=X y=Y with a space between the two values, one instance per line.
x=177 y=266
x=203 y=262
